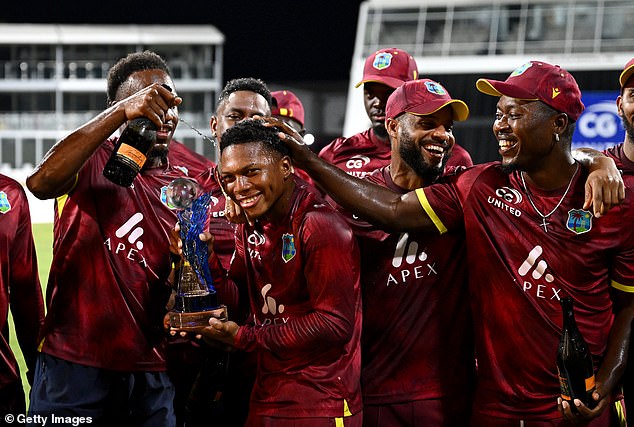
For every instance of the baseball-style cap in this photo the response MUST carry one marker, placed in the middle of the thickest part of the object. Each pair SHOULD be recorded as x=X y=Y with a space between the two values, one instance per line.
x=423 y=97
x=539 y=81
x=390 y=66
x=287 y=104
x=627 y=72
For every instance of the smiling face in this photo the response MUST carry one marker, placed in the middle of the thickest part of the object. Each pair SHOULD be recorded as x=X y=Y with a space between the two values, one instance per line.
x=239 y=105
x=424 y=141
x=257 y=178
x=375 y=97
x=525 y=133
x=139 y=80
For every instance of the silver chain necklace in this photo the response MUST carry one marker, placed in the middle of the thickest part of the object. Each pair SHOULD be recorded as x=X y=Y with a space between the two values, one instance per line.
x=530 y=199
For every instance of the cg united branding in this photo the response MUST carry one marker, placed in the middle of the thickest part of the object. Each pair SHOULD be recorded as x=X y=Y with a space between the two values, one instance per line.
x=504 y=198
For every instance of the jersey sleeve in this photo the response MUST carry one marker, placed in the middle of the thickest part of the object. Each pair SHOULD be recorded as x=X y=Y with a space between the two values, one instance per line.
x=25 y=295
x=331 y=269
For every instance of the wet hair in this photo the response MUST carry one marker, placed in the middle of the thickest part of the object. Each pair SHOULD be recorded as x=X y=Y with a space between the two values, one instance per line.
x=130 y=64
x=251 y=130
x=245 y=83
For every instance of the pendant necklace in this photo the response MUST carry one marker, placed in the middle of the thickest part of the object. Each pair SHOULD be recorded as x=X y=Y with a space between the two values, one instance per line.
x=530 y=199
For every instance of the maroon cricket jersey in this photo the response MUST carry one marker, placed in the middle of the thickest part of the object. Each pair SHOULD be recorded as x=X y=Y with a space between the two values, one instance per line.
x=108 y=287
x=417 y=340
x=19 y=282
x=303 y=281
x=359 y=154
x=621 y=160
x=518 y=273
x=459 y=157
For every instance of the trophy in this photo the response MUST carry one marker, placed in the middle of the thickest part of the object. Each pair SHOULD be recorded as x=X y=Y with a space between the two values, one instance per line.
x=196 y=300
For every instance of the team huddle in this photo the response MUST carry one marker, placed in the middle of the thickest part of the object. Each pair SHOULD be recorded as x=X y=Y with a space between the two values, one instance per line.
x=384 y=281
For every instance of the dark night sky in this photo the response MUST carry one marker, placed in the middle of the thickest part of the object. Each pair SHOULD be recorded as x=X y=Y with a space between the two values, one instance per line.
x=279 y=41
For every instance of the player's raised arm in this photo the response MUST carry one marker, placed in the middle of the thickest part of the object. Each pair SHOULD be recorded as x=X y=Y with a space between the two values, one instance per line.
x=377 y=204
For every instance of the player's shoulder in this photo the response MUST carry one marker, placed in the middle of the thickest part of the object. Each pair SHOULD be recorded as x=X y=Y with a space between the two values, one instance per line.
x=345 y=144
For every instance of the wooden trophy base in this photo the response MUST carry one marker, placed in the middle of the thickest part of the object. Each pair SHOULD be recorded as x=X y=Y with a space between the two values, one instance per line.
x=196 y=320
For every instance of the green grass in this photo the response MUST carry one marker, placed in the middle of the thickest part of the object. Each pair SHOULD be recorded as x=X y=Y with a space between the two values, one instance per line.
x=43 y=236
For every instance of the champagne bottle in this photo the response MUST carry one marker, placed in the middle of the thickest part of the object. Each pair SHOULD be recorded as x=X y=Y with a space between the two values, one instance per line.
x=130 y=152
x=574 y=361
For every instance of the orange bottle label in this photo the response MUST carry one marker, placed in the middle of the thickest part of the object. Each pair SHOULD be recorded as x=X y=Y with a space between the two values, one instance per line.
x=590 y=383
x=132 y=153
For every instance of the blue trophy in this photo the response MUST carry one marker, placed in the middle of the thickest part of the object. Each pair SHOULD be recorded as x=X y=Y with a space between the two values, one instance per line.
x=196 y=300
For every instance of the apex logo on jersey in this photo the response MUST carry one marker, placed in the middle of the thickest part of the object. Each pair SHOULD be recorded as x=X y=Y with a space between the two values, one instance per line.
x=412 y=262
x=412 y=252
x=382 y=60
x=538 y=268
x=135 y=234
x=270 y=305
x=507 y=195
x=5 y=205
x=256 y=238
x=182 y=169
x=288 y=247
x=579 y=221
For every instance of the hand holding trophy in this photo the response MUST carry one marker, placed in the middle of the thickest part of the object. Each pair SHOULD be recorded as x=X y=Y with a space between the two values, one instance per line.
x=196 y=299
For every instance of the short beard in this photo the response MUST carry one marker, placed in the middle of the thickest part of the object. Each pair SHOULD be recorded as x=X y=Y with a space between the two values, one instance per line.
x=629 y=128
x=415 y=160
x=380 y=131
x=510 y=168
x=159 y=152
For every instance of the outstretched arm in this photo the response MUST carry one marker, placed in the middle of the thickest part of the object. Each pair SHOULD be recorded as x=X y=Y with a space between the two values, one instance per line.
x=55 y=175
x=604 y=186
x=377 y=204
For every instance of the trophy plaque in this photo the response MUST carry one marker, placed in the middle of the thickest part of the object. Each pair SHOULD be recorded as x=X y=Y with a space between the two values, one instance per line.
x=195 y=300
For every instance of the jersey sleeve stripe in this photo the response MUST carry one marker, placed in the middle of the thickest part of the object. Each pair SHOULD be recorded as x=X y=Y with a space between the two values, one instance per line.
x=422 y=199
x=620 y=287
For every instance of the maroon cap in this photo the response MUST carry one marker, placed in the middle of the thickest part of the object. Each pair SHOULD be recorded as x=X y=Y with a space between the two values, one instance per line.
x=391 y=67
x=423 y=97
x=627 y=72
x=287 y=104
x=539 y=81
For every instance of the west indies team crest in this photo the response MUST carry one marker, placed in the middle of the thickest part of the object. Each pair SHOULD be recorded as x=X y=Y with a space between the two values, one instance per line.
x=288 y=247
x=579 y=221
x=5 y=205
x=382 y=60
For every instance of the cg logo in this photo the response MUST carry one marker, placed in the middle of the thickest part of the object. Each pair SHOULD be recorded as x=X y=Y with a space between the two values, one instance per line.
x=599 y=120
x=256 y=239
x=509 y=195
x=357 y=162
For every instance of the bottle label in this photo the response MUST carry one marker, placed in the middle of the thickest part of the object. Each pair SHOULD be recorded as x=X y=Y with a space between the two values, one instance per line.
x=590 y=383
x=132 y=153
x=564 y=388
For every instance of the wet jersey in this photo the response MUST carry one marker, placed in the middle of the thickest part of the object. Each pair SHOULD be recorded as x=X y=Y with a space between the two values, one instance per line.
x=108 y=287
x=519 y=269
x=417 y=338
x=302 y=274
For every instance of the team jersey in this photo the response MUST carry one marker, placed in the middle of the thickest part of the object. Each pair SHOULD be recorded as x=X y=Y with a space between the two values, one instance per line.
x=359 y=154
x=108 y=288
x=518 y=273
x=459 y=157
x=417 y=340
x=621 y=160
x=302 y=275
x=19 y=282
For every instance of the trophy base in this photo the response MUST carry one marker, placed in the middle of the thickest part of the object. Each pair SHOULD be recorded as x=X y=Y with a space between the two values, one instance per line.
x=196 y=320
